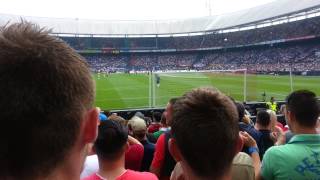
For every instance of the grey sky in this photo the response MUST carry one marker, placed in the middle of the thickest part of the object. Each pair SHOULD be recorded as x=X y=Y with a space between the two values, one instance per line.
x=124 y=9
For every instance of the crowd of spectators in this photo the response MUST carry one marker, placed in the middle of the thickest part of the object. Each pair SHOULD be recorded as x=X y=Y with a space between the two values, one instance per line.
x=302 y=28
x=101 y=62
x=289 y=30
x=299 y=58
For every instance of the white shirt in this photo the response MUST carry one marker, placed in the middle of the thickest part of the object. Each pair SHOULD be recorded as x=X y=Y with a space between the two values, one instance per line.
x=91 y=165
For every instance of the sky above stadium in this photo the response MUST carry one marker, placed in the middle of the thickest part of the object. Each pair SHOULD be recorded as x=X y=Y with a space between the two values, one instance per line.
x=125 y=9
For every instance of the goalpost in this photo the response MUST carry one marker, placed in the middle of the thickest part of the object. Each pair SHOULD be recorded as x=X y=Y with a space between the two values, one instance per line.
x=164 y=85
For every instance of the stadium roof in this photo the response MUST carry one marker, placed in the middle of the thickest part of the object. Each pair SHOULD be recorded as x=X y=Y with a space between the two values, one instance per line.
x=268 y=11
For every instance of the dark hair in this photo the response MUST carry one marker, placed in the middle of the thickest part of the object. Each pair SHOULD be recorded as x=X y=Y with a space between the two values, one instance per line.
x=205 y=126
x=163 y=119
x=169 y=110
x=241 y=111
x=303 y=104
x=45 y=89
x=111 y=138
x=263 y=118
x=157 y=116
x=172 y=101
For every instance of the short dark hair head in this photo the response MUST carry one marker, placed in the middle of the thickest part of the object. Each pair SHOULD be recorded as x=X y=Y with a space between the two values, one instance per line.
x=157 y=116
x=111 y=139
x=163 y=119
x=45 y=89
x=241 y=111
x=263 y=118
x=303 y=104
x=205 y=126
x=169 y=110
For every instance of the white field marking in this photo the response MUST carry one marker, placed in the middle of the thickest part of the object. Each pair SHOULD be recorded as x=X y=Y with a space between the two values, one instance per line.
x=284 y=95
x=130 y=107
x=194 y=71
x=124 y=88
x=133 y=98
x=189 y=77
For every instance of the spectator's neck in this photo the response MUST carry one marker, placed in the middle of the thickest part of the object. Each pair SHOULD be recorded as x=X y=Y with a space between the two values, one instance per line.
x=142 y=139
x=304 y=130
x=111 y=169
x=70 y=168
x=164 y=125
x=189 y=175
x=259 y=127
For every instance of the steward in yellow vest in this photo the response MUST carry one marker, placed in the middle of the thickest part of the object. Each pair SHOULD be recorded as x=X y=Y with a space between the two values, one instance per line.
x=272 y=104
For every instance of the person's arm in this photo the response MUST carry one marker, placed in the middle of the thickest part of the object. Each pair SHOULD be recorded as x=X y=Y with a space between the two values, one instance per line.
x=158 y=158
x=278 y=136
x=254 y=152
x=132 y=141
x=246 y=119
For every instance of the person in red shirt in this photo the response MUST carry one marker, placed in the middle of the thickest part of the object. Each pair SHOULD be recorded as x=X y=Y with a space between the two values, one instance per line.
x=163 y=163
x=134 y=154
x=111 y=146
x=133 y=158
x=156 y=125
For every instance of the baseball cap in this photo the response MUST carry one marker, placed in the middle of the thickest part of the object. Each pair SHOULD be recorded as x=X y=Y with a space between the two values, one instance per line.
x=138 y=124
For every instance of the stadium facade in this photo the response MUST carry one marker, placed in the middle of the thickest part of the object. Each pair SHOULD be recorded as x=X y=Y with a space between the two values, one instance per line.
x=276 y=12
x=215 y=42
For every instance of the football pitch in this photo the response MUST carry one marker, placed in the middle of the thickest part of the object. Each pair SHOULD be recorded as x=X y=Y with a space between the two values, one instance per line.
x=129 y=91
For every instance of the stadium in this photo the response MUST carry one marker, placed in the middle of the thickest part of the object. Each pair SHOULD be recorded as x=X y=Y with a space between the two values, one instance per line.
x=142 y=68
x=262 y=46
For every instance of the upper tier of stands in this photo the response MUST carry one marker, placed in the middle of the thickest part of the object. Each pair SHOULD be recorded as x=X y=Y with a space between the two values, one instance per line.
x=302 y=29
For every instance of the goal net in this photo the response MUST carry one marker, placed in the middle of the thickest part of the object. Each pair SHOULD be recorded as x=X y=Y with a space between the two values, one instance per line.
x=169 y=84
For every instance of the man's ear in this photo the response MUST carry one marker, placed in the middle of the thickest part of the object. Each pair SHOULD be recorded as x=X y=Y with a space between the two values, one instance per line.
x=290 y=117
x=90 y=125
x=174 y=150
x=239 y=145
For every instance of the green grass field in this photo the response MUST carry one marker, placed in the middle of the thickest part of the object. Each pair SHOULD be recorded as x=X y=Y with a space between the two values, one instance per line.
x=125 y=91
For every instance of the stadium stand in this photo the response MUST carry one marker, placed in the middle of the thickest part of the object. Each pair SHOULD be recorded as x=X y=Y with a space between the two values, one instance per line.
x=299 y=57
x=290 y=30
x=278 y=48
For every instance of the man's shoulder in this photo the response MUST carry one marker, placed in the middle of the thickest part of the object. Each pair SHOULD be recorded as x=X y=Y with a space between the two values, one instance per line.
x=161 y=138
x=136 y=147
x=290 y=160
x=242 y=159
x=277 y=149
x=279 y=152
x=148 y=145
x=251 y=130
x=92 y=177
x=242 y=167
x=134 y=150
x=135 y=175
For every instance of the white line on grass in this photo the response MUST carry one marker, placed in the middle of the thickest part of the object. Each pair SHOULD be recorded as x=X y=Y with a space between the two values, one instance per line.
x=283 y=95
x=133 y=98
x=187 y=77
x=124 y=88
